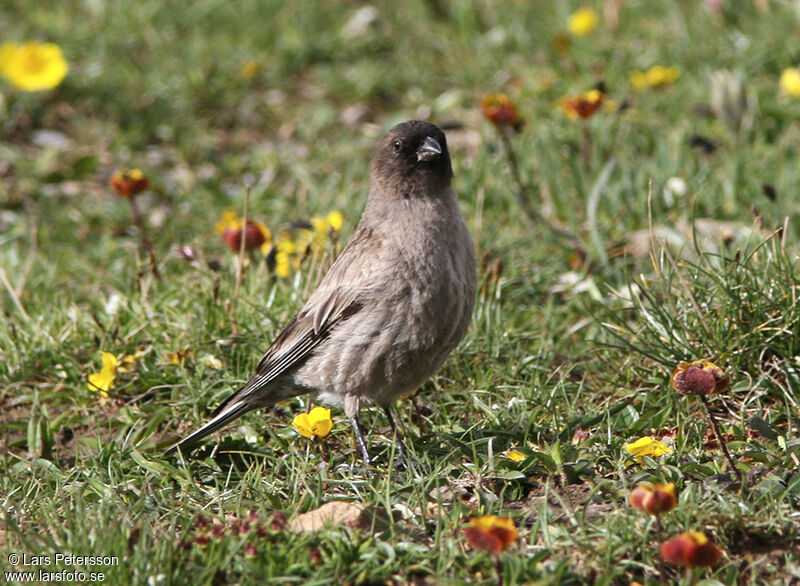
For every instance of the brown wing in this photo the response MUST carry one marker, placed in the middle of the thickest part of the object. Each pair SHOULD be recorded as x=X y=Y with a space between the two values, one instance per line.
x=297 y=341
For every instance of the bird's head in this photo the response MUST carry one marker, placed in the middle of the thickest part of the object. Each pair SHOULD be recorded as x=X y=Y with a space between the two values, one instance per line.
x=413 y=160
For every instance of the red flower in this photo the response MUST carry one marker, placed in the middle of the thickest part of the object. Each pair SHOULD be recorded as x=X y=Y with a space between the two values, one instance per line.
x=691 y=549
x=654 y=498
x=491 y=533
x=500 y=110
x=129 y=182
x=584 y=105
x=701 y=377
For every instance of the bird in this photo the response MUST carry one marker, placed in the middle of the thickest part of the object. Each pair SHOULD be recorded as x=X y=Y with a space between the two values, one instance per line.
x=391 y=308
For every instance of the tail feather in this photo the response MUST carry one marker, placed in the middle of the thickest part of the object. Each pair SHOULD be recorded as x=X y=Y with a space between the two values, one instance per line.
x=222 y=417
x=257 y=393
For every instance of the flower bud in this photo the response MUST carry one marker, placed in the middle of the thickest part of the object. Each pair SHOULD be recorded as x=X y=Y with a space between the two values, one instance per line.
x=654 y=498
x=701 y=377
x=691 y=549
x=254 y=236
x=491 y=533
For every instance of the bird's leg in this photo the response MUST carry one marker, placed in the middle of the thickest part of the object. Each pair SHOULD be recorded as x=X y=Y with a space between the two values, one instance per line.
x=401 y=459
x=352 y=405
x=361 y=443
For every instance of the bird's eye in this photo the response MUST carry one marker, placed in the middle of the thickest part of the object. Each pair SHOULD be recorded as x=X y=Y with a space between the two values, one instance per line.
x=397 y=145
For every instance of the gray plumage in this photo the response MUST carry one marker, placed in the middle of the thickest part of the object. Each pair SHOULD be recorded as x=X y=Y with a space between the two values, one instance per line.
x=392 y=307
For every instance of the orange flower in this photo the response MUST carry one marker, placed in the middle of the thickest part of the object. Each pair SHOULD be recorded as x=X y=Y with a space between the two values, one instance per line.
x=701 y=377
x=491 y=533
x=654 y=498
x=583 y=105
x=500 y=110
x=129 y=182
x=691 y=549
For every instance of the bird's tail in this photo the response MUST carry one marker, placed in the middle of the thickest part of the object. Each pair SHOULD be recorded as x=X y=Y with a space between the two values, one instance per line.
x=227 y=412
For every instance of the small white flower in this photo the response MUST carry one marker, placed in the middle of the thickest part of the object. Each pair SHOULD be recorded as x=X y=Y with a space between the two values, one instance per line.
x=674 y=187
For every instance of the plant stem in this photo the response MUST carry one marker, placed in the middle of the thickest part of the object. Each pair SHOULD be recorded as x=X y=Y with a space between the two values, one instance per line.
x=498 y=566
x=720 y=439
x=662 y=568
x=586 y=145
x=523 y=195
x=658 y=529
x=240 y=260
x=144 y=239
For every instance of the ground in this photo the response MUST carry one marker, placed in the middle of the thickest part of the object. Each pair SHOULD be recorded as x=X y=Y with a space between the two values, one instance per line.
x=664 y=231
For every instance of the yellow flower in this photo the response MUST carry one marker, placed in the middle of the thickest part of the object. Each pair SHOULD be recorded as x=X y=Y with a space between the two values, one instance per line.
x=647 y=446
x=179 y=356
x=283 y=266
x=611 y=106
x=317 y=423
x=250 y=68
x=654 y=77
x=228 y=220
x=284 y=248
x=514 y=455
x=103 y=381
x=33 y=66
x=335 y=219
x=582 y=22
x=128 y=362
x=320 y=226
x=790 y=82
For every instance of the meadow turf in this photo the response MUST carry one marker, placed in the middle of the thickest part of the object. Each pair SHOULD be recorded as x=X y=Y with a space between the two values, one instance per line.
x=681 y=253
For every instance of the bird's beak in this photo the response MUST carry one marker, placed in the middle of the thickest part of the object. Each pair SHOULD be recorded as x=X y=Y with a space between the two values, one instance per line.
x=429 y=150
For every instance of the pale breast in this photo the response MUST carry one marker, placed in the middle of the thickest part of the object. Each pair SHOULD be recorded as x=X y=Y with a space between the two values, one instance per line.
x=415 y=311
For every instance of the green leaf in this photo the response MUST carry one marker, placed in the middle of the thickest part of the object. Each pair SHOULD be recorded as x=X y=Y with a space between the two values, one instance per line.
x=149 y=465
x=763 y=427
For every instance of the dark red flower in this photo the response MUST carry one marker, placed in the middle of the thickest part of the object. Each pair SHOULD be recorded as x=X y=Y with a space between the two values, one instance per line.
x=500 y=110
x=701 y=377
x=691 y=549
x=254 y=236
x=584 y=105
x=491 y=533
x=129 y=182
x=654 y=498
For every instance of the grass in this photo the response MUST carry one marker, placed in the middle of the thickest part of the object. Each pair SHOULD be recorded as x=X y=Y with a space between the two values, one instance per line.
x=569 y=355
